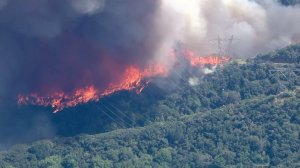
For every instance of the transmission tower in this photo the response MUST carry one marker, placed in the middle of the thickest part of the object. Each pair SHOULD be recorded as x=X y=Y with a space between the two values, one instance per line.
x=223 y=49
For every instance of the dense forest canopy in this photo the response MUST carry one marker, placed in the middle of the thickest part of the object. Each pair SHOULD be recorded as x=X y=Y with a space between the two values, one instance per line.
x=246 y=114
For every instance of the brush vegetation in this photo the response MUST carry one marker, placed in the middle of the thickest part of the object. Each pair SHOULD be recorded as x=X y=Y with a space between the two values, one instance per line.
x=243 y=115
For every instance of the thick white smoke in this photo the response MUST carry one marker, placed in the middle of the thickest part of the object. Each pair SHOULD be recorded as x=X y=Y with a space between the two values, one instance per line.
x=258 y=27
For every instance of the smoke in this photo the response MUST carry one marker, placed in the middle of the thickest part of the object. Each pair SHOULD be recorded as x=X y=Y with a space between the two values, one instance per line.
x=64 y=45
x=50 y=46
x=257 y=26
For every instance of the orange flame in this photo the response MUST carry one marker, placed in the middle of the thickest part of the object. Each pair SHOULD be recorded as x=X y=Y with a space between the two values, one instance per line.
x=58 y=101
x=197 y=61
x=132 y=78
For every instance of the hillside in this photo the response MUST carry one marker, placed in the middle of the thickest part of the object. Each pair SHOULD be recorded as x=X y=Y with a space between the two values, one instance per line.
x=243 y=115
x=63 y=53
x=228 y=85
x=261 y=131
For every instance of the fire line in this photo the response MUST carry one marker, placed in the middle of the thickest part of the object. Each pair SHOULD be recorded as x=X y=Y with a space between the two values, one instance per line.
x=133 y=78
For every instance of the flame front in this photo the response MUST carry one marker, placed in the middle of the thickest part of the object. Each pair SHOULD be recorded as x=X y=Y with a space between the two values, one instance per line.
x=58 y=101
x=132 y=78
x=197 y=61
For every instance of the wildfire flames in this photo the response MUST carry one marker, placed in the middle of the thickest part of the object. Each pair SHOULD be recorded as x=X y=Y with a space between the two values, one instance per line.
x=132 y=78
x=59 y=100
x=197 y=61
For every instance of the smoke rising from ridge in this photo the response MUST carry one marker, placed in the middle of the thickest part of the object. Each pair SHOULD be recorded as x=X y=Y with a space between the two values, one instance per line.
x=61 y=45
x=64 y=45
x=259 y=26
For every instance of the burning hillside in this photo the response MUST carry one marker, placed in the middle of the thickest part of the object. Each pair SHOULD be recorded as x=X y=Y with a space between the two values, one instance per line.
x=133 y=78
x=61 y=53
x=197 y=61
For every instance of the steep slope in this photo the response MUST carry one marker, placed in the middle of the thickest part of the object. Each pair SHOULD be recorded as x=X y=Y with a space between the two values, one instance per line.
x=245 y=114
x=229 y=84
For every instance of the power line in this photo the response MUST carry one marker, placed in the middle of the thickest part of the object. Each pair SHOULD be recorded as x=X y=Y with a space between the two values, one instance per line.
x=286 y=73
x=125 y=123
x=98 y=108
x=124 y=115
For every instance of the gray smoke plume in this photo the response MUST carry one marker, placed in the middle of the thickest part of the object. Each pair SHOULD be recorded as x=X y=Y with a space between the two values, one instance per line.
x=258 y=26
